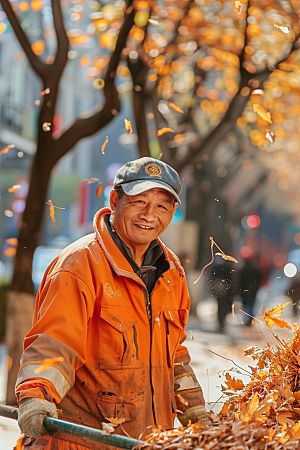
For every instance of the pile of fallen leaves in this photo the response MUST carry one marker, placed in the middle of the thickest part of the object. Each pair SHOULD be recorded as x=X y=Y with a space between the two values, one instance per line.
x=262 y=414
x=231 y=434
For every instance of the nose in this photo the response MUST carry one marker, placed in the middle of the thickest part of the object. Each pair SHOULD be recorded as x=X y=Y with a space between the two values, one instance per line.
x=148 y=213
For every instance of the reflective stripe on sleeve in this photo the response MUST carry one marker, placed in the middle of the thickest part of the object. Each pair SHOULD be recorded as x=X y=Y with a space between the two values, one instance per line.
x=52 y=374
x=186 y=381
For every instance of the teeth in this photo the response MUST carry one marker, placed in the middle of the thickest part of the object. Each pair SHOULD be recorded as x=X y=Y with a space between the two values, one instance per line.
x=144 y=226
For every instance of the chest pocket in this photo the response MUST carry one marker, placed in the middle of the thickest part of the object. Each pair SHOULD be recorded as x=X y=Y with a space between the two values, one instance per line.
x=119 y=340
x=175 y=319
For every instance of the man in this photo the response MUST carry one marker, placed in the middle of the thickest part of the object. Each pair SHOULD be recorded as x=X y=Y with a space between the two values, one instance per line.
x=114 y=305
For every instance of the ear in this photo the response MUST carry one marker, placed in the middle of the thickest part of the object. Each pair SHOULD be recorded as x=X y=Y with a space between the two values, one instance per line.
x=113 y=200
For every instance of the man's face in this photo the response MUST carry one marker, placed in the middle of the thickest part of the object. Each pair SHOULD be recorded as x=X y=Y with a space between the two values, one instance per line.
x=142 y=218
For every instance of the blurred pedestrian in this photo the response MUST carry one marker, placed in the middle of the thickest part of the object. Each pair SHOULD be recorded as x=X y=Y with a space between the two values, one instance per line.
x=222 y=285
x=250 y=279
x=294 y=293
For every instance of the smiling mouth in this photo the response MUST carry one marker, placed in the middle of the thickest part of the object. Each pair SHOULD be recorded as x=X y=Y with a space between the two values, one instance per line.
x=144 y=227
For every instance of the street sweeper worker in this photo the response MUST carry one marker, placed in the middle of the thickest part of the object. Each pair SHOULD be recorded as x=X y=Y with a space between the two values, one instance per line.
x=111 y=313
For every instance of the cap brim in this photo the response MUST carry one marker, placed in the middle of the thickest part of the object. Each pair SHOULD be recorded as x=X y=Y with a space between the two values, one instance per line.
x=139 y=186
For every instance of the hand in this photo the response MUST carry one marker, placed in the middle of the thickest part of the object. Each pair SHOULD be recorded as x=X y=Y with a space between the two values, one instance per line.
x=194 y=414
x=32 y=412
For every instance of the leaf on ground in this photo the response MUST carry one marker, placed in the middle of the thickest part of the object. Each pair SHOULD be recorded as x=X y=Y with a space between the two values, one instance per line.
x=262 y=112
x=104 y=145
x=250 y=409
x=47 y=363
x=294 y=431
x=176 y=108
x=164 y=130
x=128 y=126
x=99 y=190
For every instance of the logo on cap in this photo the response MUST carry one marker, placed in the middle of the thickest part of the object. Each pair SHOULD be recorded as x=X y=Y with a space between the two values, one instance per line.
x=153 y=170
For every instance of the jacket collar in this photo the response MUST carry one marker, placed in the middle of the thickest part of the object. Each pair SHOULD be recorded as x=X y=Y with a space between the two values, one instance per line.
x=114 y=256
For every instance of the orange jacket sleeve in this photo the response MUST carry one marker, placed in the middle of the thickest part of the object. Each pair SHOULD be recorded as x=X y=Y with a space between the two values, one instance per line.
x=188 y=392
x=64 y=305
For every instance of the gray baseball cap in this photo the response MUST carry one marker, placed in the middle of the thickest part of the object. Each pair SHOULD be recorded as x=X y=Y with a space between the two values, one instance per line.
x=143 y=174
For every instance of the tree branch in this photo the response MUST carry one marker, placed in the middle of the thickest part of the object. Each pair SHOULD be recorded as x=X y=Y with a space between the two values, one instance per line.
x=94 y=121
x=234 y=111
x=61 y=57
x=38 y=66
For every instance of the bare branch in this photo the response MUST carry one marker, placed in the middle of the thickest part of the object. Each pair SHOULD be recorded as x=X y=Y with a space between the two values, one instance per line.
x=61 y=57
x=94 y=121
x=38 y=66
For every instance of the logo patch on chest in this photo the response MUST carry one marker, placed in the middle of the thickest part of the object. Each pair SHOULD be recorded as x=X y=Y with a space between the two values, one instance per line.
x=108 y=290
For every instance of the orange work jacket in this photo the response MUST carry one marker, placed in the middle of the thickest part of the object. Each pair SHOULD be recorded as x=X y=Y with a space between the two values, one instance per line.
x=90 y=309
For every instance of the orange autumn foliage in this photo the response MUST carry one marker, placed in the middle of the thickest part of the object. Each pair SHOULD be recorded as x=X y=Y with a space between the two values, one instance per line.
x=164 y=130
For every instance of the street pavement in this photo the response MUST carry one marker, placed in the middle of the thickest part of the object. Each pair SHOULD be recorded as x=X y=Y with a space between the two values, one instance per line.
x=211 y=353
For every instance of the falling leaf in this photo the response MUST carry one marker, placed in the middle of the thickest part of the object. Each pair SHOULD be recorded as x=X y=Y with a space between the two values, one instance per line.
x=99 y=190
x=270 y=136
x=90 y=180
x=128 y=126
x=6 y=149
x=46 y=126
x=15 y=188
x=238 y=5
x=226 y=257
x=154 y=22
x=47 y=363
x=104 y=145
x=281 y=27
x=45 y=92
x=52 y=211
x=98 y=83
x=10 y=252
x=164 y=130
x=271 y=317
x=262 y=112
x=176 y=108
x=12 y=241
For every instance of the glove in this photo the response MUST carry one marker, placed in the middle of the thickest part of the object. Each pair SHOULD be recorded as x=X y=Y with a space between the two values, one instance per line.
x=194 y=414
x=32 y=412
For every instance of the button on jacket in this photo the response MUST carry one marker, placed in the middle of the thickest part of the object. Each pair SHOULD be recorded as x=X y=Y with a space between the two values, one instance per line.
x=118 y=367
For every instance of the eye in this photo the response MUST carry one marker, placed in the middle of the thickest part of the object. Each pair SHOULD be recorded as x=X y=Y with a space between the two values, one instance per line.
x=162 y=207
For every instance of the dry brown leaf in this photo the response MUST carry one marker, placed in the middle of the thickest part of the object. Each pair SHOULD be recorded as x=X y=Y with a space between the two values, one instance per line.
x=164 y=130
x=176 y=108
x=262 y=113
x=294 y=431
x=47 y=363
x=226 y=257
x=271 y=317
x=6 y=149
x=233 y=383
x=115 y=421
x=104 y=145
x=270 y=136
x=128 y=126
x=15 y=188
x=99 y=190
x=250 y=409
